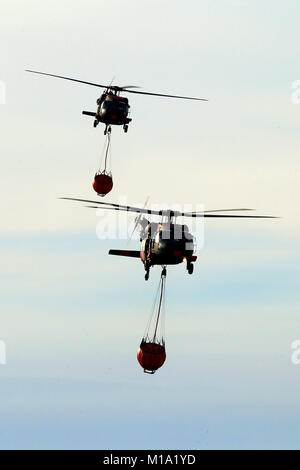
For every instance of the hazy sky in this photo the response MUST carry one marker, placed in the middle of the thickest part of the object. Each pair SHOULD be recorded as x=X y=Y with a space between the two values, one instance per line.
x=71 y=316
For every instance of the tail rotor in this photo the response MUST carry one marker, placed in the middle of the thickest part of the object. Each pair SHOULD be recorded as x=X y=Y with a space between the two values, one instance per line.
x=138 y=220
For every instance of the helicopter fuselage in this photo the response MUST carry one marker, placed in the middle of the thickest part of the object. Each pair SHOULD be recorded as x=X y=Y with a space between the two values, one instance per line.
x=112 y=109
x=163 y=244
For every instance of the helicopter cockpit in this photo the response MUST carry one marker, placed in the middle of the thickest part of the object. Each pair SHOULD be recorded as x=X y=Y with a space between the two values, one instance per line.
x=114 y=107
x=174 y=232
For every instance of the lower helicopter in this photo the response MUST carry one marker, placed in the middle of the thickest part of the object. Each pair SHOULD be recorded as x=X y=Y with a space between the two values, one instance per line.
x=163 y=243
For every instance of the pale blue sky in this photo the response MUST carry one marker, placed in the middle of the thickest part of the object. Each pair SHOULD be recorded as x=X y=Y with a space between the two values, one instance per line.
x=71 y=316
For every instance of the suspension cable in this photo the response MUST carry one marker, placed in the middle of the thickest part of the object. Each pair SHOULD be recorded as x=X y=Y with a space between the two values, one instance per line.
x=107 y=149
x=148 y=326
x=161 y=297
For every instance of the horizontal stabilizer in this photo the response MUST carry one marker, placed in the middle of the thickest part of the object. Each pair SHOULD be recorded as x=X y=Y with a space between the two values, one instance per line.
x=130 y=253
x=89 y=113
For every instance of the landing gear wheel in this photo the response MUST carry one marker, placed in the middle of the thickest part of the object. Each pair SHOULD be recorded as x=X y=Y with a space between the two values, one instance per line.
x=96 y=123
x=147 y=276
x=125 y=127
x=190 y=268
x=109 y=129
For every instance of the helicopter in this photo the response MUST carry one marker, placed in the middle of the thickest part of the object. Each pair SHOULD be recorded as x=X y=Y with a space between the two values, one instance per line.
x=164 y=243
x=113 y=109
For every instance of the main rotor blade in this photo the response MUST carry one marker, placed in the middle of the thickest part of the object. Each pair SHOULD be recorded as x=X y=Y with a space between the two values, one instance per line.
x=68 y=78
x=107 y=205
x=167 y=96
x=128 y=86
x=190 y=214
x=165 y=212
x=221 y=210
x=117 y=88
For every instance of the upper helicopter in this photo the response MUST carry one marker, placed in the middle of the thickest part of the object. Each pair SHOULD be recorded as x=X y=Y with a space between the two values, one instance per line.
x=163 y=243
x=113 y=109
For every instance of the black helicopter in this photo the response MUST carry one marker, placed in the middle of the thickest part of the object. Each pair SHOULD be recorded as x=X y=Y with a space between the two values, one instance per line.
x=113 y=109
x=164 y=243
